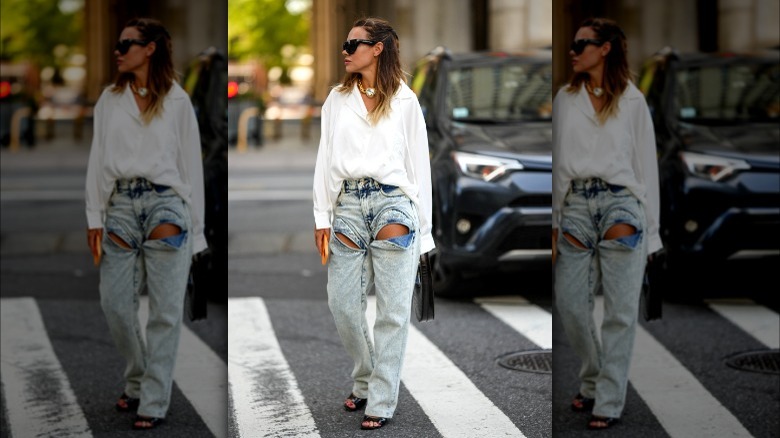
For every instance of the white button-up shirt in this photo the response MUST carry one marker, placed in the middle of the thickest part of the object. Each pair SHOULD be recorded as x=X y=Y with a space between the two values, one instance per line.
x=393 y=152
x=165 y=152
x=621 y=152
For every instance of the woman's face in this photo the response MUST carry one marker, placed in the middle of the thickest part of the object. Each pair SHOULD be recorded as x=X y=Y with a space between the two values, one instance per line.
x=137 y=56
x=365 y=56
x=592 y=57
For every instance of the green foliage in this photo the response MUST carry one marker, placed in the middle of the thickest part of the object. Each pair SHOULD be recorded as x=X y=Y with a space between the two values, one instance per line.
x=258 y=29
x=31 y=29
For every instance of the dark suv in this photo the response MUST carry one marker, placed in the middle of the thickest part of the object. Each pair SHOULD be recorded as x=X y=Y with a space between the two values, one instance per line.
x=489 y=121
x=717 y=126
x=206 y=83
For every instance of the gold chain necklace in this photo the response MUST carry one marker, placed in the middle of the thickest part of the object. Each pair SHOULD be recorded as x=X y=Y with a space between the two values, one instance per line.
x=370 y=92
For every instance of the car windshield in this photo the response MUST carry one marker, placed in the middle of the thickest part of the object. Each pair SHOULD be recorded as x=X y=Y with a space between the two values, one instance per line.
x=500 y=93
x=744 y=91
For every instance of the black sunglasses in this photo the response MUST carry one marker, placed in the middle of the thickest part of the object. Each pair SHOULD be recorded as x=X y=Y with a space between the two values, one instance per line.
x=124 y=45
x=578 y=46
x=352 y=45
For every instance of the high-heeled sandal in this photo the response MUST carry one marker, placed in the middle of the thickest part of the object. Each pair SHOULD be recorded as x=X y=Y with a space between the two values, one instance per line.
x=151 y=421
x=380 y=421
x=356 y=401
x=608 y=422
x=127 y=403
x=582 y=403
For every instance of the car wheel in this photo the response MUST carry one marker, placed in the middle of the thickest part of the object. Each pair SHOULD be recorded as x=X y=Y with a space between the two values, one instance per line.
x=445 y=279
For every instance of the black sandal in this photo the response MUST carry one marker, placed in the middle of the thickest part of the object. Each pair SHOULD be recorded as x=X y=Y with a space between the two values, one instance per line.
x=381 y=421
x=127 y=403
x=152 y=421
x=608 y=422
x=357 y=401
x=582 y=403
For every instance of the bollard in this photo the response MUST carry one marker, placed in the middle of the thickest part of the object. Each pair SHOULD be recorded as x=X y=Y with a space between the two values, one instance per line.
x=16 y=127
x=243 y=127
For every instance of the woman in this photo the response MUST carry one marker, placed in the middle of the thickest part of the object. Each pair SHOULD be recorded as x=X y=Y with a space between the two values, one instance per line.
x=145 y=189
x=372 y=189
x=605 y=212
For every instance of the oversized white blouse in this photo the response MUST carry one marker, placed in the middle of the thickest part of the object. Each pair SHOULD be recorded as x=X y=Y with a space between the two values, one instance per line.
x=620 y=152
x=393 y=152
x=166 y=152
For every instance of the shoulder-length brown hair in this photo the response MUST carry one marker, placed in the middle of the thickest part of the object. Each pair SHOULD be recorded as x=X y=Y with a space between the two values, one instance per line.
x=161 y=73
x=616 y=72
x=389 y=72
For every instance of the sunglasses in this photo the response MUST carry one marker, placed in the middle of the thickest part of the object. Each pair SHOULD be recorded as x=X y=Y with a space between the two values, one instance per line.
x=352 y=45
x=578 y=46
x=124 y=45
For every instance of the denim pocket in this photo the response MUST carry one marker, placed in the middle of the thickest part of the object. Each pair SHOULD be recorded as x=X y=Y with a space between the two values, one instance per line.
x=618 y=191
x=164 y=191
x=390 y=190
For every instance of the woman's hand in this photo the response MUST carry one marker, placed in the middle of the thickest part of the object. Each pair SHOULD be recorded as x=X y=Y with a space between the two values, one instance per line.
x=554 y=244
x=94 y=237
x=318 y=236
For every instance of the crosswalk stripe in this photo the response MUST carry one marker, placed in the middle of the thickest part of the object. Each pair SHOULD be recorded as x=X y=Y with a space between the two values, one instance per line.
x=265 y=394
x=38 y=395
x=678 y=400
x=269 y=195
x=758 y=321
x=528 y=319
x=200 y=374
x=450 y=399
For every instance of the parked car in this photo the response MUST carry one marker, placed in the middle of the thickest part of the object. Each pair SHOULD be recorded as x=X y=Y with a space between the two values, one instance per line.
x=206 y=83
x=489 y=122
x=717 y=126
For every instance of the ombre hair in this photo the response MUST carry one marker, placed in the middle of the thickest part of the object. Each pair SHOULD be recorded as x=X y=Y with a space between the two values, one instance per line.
x=616 y=72
x=389 y=72
x=161 y=73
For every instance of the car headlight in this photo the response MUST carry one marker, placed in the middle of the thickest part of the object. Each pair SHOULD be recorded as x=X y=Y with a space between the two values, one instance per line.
x=712 y=167
x=484 y=167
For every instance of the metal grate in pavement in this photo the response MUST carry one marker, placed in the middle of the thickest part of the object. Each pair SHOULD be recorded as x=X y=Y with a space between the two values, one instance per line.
x=761 y=361
x=532 y=361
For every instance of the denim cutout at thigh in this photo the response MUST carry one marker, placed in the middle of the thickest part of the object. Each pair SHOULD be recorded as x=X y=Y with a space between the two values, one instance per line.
x=397 y=214
x=119 y=221
x=576 y=222
x=623 y=209
x=167 y=210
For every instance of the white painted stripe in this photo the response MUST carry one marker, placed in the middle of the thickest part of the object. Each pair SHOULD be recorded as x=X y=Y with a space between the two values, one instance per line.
x=270 y=195
x=38 y=395
x=758 y=321
x=266 y=399
x=454 y=404
x=41 y=195
x=679 y=402
x=200 y=374
x=528 y=319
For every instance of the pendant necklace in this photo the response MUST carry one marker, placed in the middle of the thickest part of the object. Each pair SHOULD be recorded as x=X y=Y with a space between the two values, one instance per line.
x=370 y=92
x=596 y=91
x=142 y=91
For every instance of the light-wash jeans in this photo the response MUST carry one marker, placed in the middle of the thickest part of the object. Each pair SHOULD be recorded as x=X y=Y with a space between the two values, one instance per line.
x=162 y=265
x=363 y=208
x=616 y=266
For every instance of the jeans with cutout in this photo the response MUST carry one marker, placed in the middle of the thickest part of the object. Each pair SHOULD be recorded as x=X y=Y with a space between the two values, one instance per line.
x=363 y=208
x=135 y=209
x=616 y=267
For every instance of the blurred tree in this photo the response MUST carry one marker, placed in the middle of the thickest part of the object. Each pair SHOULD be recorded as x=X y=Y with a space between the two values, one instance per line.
x=32 y=29
x=260 y=29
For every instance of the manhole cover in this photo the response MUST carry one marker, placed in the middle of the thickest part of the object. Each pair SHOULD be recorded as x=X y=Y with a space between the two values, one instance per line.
x=762 y=361
x=533 y=361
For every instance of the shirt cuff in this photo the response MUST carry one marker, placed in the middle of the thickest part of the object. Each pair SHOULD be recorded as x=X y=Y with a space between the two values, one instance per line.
x=94 y=219
x=427 y=243
x=654 y=244
x=199 y=244
x=321 y=220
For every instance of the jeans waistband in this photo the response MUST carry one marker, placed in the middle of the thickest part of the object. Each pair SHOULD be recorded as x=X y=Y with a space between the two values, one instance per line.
x=137 y=185
x=593 y=185
x=362 y=184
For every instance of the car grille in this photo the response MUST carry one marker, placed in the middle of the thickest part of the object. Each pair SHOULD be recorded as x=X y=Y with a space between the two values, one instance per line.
x=532 y=201
x=529 y=237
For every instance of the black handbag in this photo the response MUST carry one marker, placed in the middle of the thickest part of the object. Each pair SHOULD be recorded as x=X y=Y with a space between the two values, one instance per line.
x=422 y=298
x=196 y=298
x=652 y=294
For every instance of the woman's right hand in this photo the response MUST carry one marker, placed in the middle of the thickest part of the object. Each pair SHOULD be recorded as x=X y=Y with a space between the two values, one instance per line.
x=94 y=236
x=318 y=236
